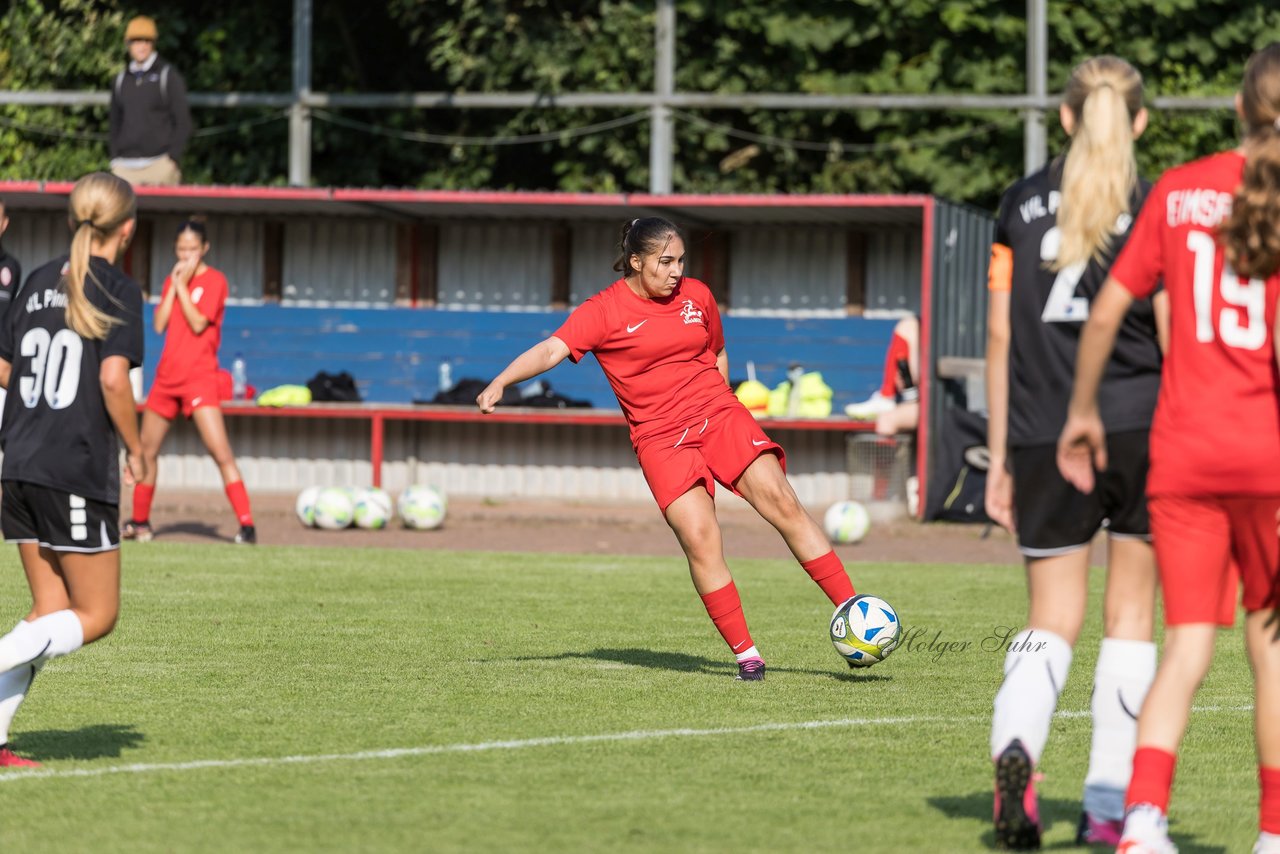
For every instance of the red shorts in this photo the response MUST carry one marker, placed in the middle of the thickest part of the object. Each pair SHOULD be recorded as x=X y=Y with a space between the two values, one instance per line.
x=1206 y=546
x=718 y=448
x=167 y=399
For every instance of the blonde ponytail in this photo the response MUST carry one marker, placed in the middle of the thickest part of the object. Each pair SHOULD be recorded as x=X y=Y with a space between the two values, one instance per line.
x=1251 y=235
x=99 y=206
x=1104 y=95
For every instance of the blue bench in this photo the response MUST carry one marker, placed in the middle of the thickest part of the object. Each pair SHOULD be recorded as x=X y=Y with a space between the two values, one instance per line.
x=395 y=354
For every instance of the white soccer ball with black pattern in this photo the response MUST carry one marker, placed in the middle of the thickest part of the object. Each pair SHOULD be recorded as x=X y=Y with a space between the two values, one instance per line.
x=422 y=508
x=865 y=629
x=846 y=522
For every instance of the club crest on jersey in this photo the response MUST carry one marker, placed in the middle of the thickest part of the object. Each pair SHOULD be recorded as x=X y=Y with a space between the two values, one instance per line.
x=690 y=313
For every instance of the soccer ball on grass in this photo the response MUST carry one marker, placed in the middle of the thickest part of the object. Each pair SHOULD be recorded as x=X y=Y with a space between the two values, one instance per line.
x=865 y=629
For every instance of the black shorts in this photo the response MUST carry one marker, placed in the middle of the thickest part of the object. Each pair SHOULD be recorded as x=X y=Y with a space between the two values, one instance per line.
x=57 y=520
x=1054 y=518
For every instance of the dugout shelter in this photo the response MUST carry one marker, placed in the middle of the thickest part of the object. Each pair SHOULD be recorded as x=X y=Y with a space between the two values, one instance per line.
x=392 y=284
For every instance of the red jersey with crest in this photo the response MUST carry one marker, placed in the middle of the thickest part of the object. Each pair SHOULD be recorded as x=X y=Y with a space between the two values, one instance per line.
x=659 y=355
x=1217 y=422
x=187 y=354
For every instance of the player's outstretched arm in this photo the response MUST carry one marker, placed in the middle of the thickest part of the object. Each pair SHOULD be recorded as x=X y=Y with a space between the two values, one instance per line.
x=538 y=359
x=1082 y=447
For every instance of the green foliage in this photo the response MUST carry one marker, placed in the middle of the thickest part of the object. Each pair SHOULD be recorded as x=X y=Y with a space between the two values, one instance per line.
x=1183 y=47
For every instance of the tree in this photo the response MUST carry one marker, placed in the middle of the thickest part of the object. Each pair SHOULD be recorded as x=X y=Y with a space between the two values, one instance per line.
x=1183 y=47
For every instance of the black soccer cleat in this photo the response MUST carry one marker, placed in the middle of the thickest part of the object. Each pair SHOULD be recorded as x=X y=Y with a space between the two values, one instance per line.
x=247 y=535
x=138 y=531
x=1017 y=812
x=751 y=670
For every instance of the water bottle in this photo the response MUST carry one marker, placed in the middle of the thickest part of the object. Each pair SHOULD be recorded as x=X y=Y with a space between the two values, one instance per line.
x=446 y=376
x=239 y=378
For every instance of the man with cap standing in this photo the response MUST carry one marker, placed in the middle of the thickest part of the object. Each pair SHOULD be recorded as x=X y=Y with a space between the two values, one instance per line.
x=150 y=120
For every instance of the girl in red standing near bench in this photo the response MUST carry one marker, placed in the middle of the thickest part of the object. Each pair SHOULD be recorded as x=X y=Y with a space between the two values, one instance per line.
x=658 y=338
x=187 y=378
x=1211 y=232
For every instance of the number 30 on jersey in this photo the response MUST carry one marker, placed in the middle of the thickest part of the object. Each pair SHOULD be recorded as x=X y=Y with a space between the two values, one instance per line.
x=55 y=367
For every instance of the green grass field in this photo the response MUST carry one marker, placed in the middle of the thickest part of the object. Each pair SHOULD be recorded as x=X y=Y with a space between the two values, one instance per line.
x=341 y=700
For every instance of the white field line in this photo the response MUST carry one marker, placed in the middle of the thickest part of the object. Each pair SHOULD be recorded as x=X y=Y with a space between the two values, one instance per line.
x=521 y=744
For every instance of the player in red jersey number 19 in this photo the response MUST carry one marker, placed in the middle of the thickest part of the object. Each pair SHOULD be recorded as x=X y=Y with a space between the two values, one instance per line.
x=1211 y=232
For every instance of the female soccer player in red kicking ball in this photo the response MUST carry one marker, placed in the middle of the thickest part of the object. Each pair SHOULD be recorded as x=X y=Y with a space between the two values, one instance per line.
x=187 y=378
x=1059 y=230
x=657 y=335
x=66 y=346
x=1211 y=230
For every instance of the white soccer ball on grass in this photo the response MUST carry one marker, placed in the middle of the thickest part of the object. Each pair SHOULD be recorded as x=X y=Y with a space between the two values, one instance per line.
x=865 y=629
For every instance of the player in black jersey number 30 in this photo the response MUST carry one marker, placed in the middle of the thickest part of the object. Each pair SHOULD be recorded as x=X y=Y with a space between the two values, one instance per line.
x=73 y=332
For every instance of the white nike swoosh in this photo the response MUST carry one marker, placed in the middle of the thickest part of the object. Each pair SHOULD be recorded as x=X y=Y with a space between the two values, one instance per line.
x=758 y=444
x=744 y=643
x=631 y=328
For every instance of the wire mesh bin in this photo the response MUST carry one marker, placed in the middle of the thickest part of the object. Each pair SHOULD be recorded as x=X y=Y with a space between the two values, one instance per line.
x=879 y=470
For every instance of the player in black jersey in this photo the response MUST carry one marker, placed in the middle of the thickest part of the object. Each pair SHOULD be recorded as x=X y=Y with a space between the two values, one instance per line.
x=72 y=334
x=10 y=269
x=10 y=276
x=1058 y=232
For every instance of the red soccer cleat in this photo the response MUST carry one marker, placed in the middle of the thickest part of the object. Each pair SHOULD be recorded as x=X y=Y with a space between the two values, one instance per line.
x=9 y=759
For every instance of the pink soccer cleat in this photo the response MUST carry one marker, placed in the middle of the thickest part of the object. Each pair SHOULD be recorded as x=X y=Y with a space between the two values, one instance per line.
x=1017 y=812
x=1099 y=831
x=9 y=759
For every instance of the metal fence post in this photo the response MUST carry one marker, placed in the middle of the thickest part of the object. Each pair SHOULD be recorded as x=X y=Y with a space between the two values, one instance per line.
x=661 y=128
x=299 y=112
x=1034 y=144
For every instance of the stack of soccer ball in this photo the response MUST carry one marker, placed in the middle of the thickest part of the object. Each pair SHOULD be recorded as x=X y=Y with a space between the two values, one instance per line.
x=336 y=507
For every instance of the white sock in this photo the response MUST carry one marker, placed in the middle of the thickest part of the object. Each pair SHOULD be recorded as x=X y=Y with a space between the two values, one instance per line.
x=1267 y=843
x=1124 y=674
x=14 y=686
x=750 y=653
x=1147 y=824
x=50 y=636
x=1035 y=670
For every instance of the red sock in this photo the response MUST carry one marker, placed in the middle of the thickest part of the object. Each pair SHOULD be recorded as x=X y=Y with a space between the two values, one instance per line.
x=240 y=502
x=1152 y=778
x=142 y=495
x=1269 y=810
x=898 y=349
x=828 y=572
x=725 y=610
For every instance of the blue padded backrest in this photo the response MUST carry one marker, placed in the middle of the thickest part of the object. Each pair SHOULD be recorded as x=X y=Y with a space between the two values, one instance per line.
x=395 y=354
